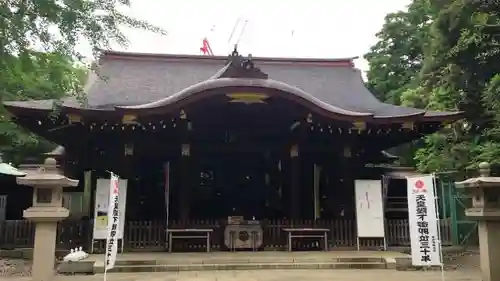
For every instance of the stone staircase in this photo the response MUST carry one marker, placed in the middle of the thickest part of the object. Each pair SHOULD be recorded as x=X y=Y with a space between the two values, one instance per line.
x=152 y=266
x=232 y=263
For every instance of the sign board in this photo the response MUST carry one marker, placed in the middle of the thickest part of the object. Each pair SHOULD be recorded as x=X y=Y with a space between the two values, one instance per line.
x=101 y=208
x=369 y=208
x=424 y=234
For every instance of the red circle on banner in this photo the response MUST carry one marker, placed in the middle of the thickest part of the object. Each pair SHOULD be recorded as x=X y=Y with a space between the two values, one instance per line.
x=419 y=184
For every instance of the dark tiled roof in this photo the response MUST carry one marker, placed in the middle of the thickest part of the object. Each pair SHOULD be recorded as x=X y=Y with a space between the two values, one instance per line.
x=138 y=79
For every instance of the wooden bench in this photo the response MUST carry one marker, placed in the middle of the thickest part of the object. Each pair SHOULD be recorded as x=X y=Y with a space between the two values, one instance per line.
x=189 y=233
x=307 y=233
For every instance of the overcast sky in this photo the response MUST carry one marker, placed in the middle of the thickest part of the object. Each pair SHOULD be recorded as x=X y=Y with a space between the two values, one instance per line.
x=275 y=28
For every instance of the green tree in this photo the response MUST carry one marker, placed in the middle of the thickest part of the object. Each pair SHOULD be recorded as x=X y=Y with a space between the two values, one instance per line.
x=459 y=73
x=46 y=76
x=39 y=58
x=395 y=60
x=489 y=150
x=443 y=55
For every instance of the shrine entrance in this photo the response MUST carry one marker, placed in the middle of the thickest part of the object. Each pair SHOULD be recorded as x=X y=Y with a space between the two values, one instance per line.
x=237 y=184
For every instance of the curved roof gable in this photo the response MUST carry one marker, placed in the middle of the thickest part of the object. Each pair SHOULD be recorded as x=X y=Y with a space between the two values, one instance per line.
x=143 y=80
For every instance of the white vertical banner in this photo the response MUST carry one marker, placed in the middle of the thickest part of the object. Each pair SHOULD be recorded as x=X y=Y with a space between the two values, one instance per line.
x=423 y=220
x=101 y=208
x=113 y=222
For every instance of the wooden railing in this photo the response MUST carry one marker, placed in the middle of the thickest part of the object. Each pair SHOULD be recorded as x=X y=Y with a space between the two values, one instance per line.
x=150 y=235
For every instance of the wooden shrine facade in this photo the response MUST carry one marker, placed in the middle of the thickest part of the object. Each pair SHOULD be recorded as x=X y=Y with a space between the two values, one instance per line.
x=264 y=138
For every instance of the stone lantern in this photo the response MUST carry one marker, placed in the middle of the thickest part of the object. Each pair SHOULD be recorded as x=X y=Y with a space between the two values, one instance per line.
x=485 y=191
x=46 y=212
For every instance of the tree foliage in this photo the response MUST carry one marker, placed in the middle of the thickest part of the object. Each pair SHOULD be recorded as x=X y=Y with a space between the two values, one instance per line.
x=456 y=44
x=34 y=75
x=396 y=59
x=39 y=52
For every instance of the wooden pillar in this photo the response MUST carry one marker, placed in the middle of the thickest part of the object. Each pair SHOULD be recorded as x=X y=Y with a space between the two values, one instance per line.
x=87 y=194
x=184 y=206
x=294 y=182
x=316 y=191
x=299 y=131
x=185 y=167
x=349 y=173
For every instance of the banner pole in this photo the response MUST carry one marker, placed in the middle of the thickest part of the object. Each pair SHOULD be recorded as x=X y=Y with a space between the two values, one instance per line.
x=105 y=275
x=436 y=206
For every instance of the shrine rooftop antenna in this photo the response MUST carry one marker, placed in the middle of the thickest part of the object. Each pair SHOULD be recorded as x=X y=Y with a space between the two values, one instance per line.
x=206 y=49
x=239 y=22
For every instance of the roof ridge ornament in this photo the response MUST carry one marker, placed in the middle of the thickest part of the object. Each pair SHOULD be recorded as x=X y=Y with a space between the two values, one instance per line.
x=238 y=66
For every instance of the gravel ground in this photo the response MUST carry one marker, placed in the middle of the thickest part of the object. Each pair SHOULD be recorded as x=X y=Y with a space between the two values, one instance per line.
x=15 y=267
x=464 y=261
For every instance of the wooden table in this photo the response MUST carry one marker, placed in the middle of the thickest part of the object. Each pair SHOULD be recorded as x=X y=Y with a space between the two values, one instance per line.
x=189 y=233
x=307 y=233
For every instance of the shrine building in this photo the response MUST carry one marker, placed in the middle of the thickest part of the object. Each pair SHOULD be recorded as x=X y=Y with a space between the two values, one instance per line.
x=263 y=138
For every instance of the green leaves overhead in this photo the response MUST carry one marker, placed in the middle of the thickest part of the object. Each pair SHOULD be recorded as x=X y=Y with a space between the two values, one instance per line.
x=396 y=59
x=41 y=44
x=58 y=26
x=445 y=58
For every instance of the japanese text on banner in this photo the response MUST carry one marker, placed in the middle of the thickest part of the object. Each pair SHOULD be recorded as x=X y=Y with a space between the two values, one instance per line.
x=423 y=221
x=113 y=222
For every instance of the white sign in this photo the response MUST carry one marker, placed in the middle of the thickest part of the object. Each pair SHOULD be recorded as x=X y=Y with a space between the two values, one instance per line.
x=424 y=235
x=113 y=222
x=369 y=208
x=101 y=208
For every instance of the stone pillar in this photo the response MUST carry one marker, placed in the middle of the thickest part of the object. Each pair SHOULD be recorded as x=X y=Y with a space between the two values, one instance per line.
x=294 y=182
x=46 y=212
x=485 y=191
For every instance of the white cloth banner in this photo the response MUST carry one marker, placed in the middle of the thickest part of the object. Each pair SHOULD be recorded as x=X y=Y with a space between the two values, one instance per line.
x=424 y=235
x=101 y=208
x=113 y=222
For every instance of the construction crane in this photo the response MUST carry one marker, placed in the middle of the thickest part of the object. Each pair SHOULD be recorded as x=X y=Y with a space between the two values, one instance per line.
x=206 y=49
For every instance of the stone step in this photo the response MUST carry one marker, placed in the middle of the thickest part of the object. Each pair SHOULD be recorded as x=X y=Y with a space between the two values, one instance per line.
x=242 y=266
x=257 y=260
